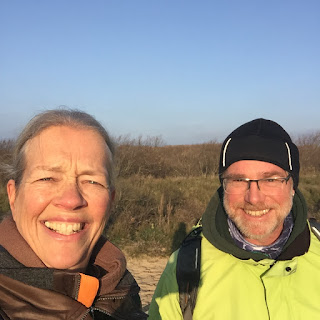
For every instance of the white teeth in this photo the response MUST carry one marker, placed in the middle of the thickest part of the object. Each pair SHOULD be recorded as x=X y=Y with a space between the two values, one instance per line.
x=256 y=213
x=64 y=228
x=69 y=229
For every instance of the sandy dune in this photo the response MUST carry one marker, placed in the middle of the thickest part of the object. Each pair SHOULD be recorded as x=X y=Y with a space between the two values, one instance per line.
x=147 y=271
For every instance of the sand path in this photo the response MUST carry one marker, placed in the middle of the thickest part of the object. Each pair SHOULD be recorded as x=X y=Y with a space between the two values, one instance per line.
x=147 y=271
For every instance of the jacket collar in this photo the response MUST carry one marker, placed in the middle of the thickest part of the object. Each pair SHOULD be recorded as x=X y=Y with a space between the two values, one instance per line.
x=23 y=272
x=107 y=262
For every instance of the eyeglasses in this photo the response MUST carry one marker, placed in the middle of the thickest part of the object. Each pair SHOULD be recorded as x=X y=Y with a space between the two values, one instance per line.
x=269 y=186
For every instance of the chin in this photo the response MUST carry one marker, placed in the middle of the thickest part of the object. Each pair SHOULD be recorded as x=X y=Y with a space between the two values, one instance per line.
x=66 y=262
x=256 y=236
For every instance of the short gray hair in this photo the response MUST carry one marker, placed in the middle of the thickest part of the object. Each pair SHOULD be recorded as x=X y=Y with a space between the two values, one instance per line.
x=52 y=118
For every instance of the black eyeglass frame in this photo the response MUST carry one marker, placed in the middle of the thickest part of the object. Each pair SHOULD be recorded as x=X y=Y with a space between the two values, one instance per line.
x=282 y=179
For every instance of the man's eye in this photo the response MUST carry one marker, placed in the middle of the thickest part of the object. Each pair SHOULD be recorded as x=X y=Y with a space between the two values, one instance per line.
x=270 y=180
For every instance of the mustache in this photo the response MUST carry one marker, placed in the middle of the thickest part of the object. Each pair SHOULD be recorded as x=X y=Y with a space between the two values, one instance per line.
x=256 y=207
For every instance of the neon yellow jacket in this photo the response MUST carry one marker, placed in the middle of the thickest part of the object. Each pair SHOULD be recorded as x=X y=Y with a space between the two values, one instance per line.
x=262 y=289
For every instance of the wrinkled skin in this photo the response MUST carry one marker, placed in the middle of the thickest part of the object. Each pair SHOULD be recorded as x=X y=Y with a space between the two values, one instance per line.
x=63 y=201
x=259 y=217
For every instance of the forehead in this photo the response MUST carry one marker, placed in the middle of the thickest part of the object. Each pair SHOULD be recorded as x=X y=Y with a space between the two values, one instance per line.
x=57 y=143
x=254 y=168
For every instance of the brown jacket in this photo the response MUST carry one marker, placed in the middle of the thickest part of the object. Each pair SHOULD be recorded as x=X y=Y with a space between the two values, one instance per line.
x=29 y=290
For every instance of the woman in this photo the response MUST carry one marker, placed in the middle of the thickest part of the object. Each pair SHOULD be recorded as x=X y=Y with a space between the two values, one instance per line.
x=54 y=261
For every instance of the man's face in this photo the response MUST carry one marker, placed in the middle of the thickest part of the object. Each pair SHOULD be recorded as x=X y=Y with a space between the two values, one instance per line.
x=258 y=216
x=63 y=202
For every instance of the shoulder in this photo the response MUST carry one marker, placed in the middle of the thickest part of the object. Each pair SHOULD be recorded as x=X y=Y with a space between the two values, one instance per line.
x=165 y=301
x=314 y=248
x=168 y=277
x=122 y=302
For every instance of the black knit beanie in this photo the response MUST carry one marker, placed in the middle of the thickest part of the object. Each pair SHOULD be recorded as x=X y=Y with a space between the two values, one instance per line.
x=263 y=140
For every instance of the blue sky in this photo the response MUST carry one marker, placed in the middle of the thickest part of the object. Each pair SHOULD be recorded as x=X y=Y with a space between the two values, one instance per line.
x=189 y=71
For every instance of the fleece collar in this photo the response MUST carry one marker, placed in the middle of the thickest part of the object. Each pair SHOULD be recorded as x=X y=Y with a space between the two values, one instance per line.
x=107 y=286
x=107 y=262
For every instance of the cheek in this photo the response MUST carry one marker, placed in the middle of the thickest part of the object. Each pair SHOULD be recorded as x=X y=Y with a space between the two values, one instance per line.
x=30 y=205
x=282 y=200
x=231 y=200
x=101 y=210
x=36 y=202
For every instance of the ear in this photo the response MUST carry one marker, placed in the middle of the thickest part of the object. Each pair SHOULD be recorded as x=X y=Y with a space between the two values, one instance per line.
x=11 y=191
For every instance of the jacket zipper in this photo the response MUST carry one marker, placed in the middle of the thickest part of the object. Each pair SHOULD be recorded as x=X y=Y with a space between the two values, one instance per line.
x=85 y=315
x=92 y=309
x=100 y=310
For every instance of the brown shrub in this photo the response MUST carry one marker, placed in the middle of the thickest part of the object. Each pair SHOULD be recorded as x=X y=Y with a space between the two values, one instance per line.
x=163 y=190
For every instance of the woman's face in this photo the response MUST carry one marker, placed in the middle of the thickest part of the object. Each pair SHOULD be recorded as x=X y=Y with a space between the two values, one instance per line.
x=63 y=201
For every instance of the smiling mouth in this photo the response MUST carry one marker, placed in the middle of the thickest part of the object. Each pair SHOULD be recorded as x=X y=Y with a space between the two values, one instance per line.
x=64 y=228
x=257 y=213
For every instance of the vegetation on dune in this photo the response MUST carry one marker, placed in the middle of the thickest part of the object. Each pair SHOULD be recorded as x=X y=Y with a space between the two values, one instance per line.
x=161 y=191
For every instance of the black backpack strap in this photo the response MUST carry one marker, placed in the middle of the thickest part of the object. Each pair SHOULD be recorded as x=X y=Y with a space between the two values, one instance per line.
x=315 y=227
x=188 y=271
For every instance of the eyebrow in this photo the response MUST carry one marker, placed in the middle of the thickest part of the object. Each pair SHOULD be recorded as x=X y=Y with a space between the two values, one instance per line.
x=264 y=174
x=274 y=173
x=59 y=170
x=93 y=173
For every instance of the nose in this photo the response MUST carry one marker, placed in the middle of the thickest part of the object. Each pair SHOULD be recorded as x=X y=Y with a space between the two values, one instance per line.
x=70 y=197
x=253 y=195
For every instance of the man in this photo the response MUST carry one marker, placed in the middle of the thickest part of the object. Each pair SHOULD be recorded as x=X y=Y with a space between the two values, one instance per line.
x=259 y=259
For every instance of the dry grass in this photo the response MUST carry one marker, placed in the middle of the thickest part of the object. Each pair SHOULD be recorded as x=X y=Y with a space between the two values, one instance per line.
x=163 y=190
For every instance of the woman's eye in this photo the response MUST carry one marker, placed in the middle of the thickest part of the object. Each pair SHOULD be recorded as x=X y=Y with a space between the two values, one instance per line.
x=97 y=184
x=46 y=179
x=94 y=182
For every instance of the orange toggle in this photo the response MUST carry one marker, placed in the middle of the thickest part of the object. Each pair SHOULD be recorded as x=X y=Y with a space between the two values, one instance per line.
x=88 y=289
